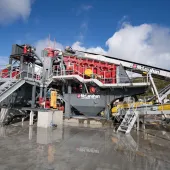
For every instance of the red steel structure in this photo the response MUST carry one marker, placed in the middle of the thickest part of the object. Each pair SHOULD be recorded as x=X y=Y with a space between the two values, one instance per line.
x=106 y=72
x=86 y=68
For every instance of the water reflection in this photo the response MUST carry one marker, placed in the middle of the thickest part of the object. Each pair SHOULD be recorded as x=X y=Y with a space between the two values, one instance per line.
x=46 y=140
x=49 y=135
x=143 y=152
x=2 y=131
x=82 y=148
x=30 y=132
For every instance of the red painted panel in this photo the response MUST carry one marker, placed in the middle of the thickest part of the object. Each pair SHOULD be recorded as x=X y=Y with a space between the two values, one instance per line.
x=99 y=68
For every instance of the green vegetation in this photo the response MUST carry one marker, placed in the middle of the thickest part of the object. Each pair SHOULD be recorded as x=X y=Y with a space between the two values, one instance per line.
x=160 y=84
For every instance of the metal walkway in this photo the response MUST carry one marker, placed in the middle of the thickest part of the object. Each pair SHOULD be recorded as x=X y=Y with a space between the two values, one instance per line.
x=99 y=83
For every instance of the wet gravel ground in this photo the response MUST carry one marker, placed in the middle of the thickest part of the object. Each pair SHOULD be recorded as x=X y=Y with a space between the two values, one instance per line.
x=82 y=148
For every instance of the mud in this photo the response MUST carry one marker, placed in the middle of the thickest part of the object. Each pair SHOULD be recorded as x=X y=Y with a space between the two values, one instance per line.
x=82 y=148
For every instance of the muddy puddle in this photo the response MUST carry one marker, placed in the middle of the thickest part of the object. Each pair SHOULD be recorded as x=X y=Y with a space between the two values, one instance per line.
x=82 y=148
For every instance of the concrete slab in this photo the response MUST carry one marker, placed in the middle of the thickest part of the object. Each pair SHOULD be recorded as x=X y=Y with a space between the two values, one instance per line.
x=58 y=117
x=44 y=119
x=47 y=118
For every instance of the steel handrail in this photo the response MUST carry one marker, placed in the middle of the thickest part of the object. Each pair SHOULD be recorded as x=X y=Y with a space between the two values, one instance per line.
x=60 y=72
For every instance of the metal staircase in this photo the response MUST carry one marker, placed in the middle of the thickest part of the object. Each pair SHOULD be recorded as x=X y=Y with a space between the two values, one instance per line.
x=128 y=121
x=127 y=144
x=9 y=87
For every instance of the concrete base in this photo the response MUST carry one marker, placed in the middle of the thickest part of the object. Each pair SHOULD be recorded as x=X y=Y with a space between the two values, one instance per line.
x=58 y=117
x=48 y=118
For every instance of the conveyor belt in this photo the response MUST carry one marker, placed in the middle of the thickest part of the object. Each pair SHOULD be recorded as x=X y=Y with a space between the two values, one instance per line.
x=130 y=65
x=161 y=92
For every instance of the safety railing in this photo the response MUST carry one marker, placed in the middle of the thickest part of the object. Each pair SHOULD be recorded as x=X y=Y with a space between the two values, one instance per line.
x=106 y=77
x=9 y=74
x=32 y=73
x=16 y=73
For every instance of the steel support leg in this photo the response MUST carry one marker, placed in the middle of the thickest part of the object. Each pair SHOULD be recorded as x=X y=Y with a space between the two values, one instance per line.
x=33 y=96
x=67 y=104
x=21 y=65
x=45 y=93
x=22 y=121
x=155 y=89
x=31 y=118
x=137 y=123
x=107 y=107
x=67 y=108
x=33 y=70
x=107 y=113
x=63 y=89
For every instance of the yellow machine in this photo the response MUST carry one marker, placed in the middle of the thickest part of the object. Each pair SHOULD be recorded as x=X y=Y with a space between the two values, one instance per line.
x=165 y=106
x=53 y=101
x=127 y=105
x=159 y=107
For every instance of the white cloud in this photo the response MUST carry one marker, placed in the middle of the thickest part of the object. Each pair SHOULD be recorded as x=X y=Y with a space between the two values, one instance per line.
x=84 y=25
x=4 y=61
x=87 y=7
x=83 y=30
x=146 y=43
x=78 y=46
x=129 y=42
x=83 y=9
x=11 y=10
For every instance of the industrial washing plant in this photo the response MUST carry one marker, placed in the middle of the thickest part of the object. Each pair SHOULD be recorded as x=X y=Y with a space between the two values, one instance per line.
x=77 y=82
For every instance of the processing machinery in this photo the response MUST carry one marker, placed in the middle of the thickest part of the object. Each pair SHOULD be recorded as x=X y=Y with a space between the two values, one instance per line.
x=84 y=84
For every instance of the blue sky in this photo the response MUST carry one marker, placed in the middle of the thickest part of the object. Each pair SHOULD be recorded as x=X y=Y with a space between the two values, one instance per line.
x=114 y=27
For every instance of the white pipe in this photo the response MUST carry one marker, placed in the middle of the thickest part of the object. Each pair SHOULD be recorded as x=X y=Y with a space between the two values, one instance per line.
x=31 y=118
